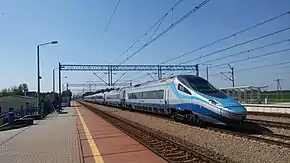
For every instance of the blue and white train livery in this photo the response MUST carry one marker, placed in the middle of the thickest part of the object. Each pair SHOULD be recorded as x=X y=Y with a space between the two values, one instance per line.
x=96 y=98
x=185 y=97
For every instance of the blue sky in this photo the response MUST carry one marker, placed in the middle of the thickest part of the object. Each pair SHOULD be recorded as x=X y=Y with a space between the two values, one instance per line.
x=80 y=25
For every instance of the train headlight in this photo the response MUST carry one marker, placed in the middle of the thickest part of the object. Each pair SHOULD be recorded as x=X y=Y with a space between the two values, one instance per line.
x=215 y=102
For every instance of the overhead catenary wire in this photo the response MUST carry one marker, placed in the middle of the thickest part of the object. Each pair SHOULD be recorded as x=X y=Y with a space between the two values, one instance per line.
x=252 y=57
x=257 y=67
x=110 y=20
x=246 y=59
x=227 y=37
x=247 y=51
x=136 y=41
x=159 y=21
x=226 y=65
x=196 y=8
x=234 y=46
x=232 y=35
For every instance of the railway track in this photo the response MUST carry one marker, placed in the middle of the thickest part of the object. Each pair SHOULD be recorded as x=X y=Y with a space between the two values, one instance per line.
x=169 y=150
x=262 y=136
x=270 y=123
x=267 y=137
x=269 y=114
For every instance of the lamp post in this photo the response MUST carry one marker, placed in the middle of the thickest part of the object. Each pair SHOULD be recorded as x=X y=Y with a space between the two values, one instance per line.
x=38 y=72
x=53 y=82
x=63 y=81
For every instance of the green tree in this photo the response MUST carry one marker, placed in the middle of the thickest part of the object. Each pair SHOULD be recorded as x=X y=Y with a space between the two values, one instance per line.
x=67 y=93
x=4 y=92
x=15 y=90
x=25 y=87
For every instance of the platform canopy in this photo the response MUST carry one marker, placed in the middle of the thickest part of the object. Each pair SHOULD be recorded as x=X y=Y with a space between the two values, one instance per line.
x=245 y=94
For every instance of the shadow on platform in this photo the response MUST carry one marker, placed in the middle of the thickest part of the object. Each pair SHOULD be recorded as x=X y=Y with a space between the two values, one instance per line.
x=62 y=112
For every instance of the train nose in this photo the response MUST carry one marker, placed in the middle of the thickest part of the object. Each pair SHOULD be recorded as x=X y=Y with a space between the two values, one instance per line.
x=237 y=113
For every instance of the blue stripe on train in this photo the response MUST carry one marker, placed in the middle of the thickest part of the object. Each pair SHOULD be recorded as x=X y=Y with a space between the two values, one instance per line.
x=226 y=102
x=177 y=94
x=193 y=107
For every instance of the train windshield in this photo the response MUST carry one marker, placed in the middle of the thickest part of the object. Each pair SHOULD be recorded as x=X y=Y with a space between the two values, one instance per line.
x=200 y=85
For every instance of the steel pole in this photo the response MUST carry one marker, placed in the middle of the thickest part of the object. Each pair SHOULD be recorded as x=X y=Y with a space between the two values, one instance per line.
x=233 y=78
x=38 y=74
x=197 y=70
x=111 y=71
x=38 y=80
x=109 y=81
x=207 y=73
x=59 y=84
x=53 y=83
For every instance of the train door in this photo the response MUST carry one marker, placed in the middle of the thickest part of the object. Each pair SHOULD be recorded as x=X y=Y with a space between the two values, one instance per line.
x=104 y=98
x=166 y=100
x=165 y=96
x=123 y=98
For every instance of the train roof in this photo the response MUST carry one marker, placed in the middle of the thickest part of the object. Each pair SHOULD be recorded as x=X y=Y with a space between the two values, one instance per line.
x=163 y=80
x=192 y=76
x=93 y=95
x=150 y=83
x=113 y=91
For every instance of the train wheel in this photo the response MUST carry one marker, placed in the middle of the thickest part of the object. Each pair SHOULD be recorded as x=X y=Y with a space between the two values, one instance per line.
x=193 y=119
x=130 y=108
x=175 y=116
x=198 y=121
x=190 y=119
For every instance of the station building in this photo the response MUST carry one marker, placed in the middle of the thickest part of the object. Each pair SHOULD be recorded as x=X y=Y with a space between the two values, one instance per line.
x=16 y=102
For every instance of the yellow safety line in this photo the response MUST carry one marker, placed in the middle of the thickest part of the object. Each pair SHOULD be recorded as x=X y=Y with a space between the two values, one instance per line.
x=96 y=154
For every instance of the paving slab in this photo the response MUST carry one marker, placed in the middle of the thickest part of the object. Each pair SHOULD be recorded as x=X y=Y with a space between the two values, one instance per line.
x=53 y=140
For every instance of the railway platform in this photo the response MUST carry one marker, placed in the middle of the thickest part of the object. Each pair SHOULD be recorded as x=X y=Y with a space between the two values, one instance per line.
x=79 y=136
x=51 y=140
x=102 y=142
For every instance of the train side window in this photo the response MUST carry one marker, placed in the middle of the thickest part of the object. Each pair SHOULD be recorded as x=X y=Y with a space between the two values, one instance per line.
x=145 y=95
x=161 y=94
x=183 y=89
x=130 y=95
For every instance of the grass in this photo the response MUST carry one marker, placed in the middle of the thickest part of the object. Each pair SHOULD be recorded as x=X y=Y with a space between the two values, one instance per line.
x=1 y=122
x=284 y=96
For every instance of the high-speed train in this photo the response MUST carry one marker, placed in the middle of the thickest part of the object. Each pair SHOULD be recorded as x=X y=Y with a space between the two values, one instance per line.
x=184 y=97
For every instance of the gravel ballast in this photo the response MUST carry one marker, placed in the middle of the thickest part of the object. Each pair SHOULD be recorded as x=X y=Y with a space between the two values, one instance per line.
x=269 y=118
x=280 y=131
x=235 y=148
x=274 y=119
